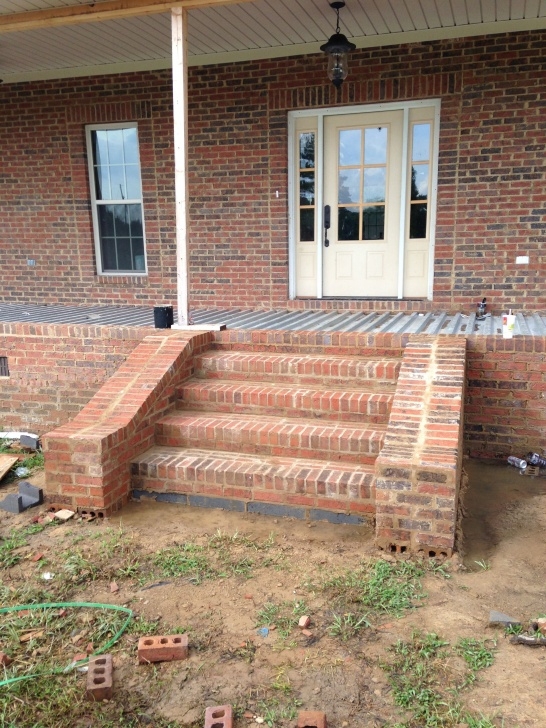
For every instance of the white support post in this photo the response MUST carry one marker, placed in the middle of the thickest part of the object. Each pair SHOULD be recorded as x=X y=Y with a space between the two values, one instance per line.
x=179 y=26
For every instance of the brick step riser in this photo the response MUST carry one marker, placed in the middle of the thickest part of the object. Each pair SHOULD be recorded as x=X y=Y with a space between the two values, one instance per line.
x=351 y=449
x=362 y=408
x=376 y=374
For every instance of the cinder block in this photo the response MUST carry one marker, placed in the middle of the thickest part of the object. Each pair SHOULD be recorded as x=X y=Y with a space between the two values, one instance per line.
x=219 y=717
x=5 y=660
x=28 y=496
x=311 y=719
x=162 y=649
x=100 y=683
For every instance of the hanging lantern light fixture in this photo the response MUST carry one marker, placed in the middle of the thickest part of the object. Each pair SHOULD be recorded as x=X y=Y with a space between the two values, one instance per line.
x=337 y=49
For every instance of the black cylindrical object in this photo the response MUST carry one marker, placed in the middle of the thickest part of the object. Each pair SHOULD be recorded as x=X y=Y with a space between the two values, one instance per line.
x=163 y=317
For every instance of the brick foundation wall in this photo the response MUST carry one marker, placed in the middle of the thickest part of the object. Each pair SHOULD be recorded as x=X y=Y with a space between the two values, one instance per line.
x=505 y=410
x=491 y=199
x=54 y=370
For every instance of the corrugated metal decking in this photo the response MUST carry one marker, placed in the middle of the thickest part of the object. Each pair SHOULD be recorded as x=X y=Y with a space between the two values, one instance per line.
x=528 y=324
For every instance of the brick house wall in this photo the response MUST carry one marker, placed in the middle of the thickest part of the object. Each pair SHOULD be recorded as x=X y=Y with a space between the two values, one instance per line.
x=491 y=199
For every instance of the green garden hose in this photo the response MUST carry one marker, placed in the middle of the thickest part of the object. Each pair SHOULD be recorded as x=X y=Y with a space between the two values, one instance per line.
x=60 y=605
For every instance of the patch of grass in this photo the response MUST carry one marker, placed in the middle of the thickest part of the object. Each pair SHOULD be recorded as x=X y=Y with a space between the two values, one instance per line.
x=284 y=616
x=276 y=710
x=142 y=627
x=483 y=565
x=16 y=539
x=348 y=625
x=424 y=681
x=188 y=560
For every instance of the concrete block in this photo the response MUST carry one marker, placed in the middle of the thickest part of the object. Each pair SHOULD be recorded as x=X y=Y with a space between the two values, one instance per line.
x=33 y=443
x=498 y=619
x=162 y=649
x=219 y=717
x=311 y=719
x=100 y=683
x=28 y=496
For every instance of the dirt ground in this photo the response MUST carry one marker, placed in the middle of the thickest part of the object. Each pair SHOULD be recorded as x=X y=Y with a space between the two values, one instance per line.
x=503 y=568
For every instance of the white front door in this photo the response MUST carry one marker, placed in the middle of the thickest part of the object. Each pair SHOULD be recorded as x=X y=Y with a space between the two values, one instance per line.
x=363 y=201
x=362 y=191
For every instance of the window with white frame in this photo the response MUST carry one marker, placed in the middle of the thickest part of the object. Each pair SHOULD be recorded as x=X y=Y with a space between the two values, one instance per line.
x=116 y=196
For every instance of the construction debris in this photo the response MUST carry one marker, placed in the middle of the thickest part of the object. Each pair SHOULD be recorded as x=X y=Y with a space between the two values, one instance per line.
x=28 y=496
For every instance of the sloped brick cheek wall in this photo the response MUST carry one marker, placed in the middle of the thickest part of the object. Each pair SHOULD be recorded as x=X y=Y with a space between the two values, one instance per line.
x=419 y=469
x=54 y=370
x=505 y=409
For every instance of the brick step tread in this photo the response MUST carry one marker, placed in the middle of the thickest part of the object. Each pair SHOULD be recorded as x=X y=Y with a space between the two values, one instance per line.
x=291 y=400
x=293 y=437
x=310 y=368
x=197 y=470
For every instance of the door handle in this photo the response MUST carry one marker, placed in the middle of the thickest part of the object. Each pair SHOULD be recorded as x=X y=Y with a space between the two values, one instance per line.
x=326 y=225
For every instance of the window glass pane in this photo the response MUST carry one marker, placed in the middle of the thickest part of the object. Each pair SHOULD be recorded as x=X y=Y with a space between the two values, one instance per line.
x=130 y=146
x=307 y=188
x=117 y=182
x=419 y=182
x=349 y=186
x=375 y=184
x=102 y=183
x=100 y=146
x=115 y=146
x=125 y=258
x=106 y=220
x=121 y=221
x=348 y=223
x=307 y=224
x=418 y=220
x=373 y=224
x=421 y=143
x=350 y=144
x=307 y=150
x=375 y=146
x=108 y=249
x=132 y=175
x=135 y=220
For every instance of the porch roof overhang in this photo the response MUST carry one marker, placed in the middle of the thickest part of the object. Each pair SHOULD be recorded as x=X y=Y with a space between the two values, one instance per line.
x=48 y=39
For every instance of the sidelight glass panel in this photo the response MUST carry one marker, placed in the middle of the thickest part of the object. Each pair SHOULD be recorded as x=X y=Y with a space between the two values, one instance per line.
x=349 y=186
x=307 y=150
x=307 y=188
x=375 y=145
x=418 y=221
x=307 y=224
x=419 y=182
x=375 y=181
x=421 y=143
x=373 y=224
x=348 y=223
x=350 y=147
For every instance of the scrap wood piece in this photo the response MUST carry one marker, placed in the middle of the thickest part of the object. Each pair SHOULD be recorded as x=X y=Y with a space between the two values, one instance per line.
x=6 y=463
x=523 y=639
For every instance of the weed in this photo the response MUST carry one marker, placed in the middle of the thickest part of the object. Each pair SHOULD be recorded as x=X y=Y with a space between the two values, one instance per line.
x=142 y=627
x=16 y=539
x=275 y=710
x=347 y=625
x=188 y=560
x=513 y=629
x=476 y=655
x=284 y=616
x=483 y=565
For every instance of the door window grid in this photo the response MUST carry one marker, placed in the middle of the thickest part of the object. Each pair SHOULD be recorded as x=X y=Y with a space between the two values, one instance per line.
x=362 y=183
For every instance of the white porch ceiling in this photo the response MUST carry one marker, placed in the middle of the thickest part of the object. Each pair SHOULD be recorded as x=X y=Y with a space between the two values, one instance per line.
x=244 y=31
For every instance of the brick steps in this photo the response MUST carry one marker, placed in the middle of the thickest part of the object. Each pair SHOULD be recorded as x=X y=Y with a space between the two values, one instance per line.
x=272 y=436
x=287 y=400
x=319 y=483
x=311 y=369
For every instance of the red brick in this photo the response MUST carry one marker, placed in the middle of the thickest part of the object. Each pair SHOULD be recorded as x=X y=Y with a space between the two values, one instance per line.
x=100 y=683
x=220 y=716
x=311 y=719
x=162 y=649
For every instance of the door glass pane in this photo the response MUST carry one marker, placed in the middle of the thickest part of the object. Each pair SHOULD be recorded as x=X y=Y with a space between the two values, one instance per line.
x=375 y=179
x=307 y=188
x=307 y=150
x=350 y=142
x=307 y=224
x=418 y=220
x=421 y=143
x=419 y=182
x=375 y=145
x=373 y=224
x=349 y=186
x=348 y=223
